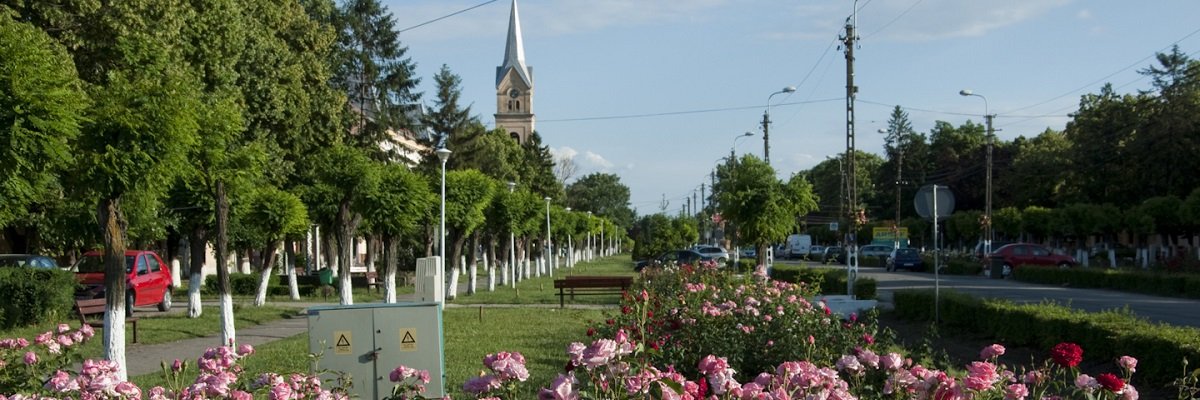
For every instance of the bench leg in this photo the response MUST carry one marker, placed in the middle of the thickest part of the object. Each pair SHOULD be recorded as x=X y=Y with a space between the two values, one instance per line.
x=561 y=303
x=135 y=331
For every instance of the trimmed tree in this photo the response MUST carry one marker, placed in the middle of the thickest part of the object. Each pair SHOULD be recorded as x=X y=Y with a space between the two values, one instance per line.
x=396 y=208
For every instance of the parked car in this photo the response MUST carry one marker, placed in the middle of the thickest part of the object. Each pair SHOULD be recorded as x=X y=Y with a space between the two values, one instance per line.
x=1018 y=254
x=27 y=260
x=671 y=258
x=978 y=252
x=908 y=258
x=875 y=250
x=147 y=282
x=816 y=253
x=718 y=254
x=834 y=254
x=749 y=252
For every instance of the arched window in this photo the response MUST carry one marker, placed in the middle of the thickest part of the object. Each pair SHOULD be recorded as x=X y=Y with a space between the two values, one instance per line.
x=515 y=136
x=518 y=105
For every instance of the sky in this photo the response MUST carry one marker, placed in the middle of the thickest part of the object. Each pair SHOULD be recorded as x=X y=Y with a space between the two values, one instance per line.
x=657 y=91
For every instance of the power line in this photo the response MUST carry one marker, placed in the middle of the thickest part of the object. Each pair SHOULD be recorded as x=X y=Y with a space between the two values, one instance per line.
x=889 y=23
x=670 y=113
x=445 y=16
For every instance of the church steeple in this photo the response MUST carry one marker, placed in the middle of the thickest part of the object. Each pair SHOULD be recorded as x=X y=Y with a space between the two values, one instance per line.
x=514 y=85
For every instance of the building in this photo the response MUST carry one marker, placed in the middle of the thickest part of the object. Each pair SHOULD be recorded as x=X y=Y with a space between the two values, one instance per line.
x=514 y=85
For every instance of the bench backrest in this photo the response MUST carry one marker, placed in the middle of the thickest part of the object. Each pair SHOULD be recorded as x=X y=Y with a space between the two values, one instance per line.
x=90 y=306
x=594 y=282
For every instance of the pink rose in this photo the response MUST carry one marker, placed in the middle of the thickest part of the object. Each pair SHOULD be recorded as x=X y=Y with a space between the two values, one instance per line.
x=1086 y=383
x=31 y=358
x=991 y=352
x=1128 y=363
x=1016 y=391
x=245 y=350
x=981 y=375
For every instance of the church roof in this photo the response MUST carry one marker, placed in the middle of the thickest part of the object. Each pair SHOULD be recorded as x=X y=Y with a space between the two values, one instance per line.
x=514 y=51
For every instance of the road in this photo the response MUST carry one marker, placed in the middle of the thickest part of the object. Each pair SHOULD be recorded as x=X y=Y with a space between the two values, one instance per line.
x=1173 y=311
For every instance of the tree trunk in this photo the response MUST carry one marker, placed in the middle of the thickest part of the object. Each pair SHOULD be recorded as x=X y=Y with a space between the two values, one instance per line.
x=489 y=254
x=390 y=256
x=347 y=224
x=228 y=331
x=472 y=267
x=196 y=245
x=430 y=238
x=264 y=279
x=331 y=259
x=372 y=248
x=452 y=274
x=112 y=227
x=174 y=256
x=289 y=251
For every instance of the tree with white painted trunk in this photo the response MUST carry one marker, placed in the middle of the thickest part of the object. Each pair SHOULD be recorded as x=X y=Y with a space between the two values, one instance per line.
x=468 y=193
x=341 y=177
x=269 y=217
x=395 y=209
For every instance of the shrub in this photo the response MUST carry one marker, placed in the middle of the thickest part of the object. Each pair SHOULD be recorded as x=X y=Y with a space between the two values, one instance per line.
x=33 y=295
x=239 y=284
x=1106 y=335
x=1156 y=283
x=829 y=281
x=689 y=312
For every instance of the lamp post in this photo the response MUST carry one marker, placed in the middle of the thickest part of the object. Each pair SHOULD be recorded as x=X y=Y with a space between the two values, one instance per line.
x=443 y=154
x=512 y=246
x=549 y=256
x=987 y=212
x=570 y=245
x=766 y=123
x=733 y=156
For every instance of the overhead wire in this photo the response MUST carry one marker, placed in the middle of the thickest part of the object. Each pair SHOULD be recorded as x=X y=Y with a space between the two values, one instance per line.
x=897 y=18
x=685 y=112
x=446 y=16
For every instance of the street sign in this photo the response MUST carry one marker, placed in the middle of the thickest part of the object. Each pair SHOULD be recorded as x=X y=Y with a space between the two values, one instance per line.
x=923 y=201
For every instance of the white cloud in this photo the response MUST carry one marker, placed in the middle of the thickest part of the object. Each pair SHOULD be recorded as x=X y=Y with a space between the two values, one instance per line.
x=1084 y=14
x=566 y=151
x=597 y=160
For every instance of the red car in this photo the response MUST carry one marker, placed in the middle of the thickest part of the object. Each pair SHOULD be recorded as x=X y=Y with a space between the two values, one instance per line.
x=148 y=281
x=1018 y=254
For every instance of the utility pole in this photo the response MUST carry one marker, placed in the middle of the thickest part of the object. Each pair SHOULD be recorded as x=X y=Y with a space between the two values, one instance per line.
x=766 y=125
x=987 y=213
x=849 y=42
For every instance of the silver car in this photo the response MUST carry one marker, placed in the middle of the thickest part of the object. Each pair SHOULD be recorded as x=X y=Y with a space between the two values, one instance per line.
x=719 y=254
x=875 y=250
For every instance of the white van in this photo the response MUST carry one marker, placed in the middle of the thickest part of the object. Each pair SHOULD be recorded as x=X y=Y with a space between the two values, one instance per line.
x=798 y=245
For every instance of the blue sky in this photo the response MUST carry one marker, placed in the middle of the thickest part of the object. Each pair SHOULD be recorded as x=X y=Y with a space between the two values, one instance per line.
x=603 y=67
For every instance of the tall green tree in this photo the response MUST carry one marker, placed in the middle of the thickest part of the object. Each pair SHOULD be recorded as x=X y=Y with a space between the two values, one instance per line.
x=763 y=209
x=376 y=75
x=447 y=119
x=1038 y=173
x=42 y=106
x=1172 y=129
x=394 y=209
x=1103 y=165
x=894 y=170
x=468 y=193
x=271 y=215
x=341 y=178
x=604 y=195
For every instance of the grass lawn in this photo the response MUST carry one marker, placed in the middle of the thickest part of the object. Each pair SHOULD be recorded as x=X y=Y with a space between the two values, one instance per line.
x=165 y=328
x=542 y=337
x=540 y=290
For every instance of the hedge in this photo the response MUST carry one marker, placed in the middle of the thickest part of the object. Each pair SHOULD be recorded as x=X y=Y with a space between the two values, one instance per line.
x=33 y=295
x=954 y=266
x=1104 y=336
x=831 y=281
x=1153 y=283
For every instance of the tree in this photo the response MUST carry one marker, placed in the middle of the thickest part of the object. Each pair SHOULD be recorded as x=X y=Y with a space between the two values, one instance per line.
x=896 y=142
x=958 y=153
x=141 y=123
x=375 y=73
x=1038 y=174
x=1165 y=212
x=658 y=233
x=395 y=208
x=761 y=207
x=602 y=194
x=468 y=193
x=271 y=216
x=42 y=106
x=1007 y=222
x=538 y=168
x=447 y=120
x=341 y=177
x=1171 y=130
x=1037 y=222
x=1103 y=167
x=565 y=168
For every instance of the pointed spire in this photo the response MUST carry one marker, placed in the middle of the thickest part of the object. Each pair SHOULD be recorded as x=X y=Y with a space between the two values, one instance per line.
x=514 y=50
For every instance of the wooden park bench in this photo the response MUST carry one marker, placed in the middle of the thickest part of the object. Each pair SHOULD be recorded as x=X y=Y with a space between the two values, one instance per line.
x=581 y=285
x=86 y=307
x=373 y=281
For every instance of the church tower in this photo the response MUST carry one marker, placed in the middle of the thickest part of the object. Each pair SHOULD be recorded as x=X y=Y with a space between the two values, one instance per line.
x=514 y=85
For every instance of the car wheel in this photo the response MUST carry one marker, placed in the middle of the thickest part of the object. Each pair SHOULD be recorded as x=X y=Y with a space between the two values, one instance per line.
x=1007 y=270
x=165 y=305
x=129 y=299
x=1064 y=266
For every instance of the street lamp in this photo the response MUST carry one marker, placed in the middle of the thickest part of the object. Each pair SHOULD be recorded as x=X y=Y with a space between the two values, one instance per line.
x=549 y=257
x=766 y=123
x=589 y=238
x=443 y=154
x=987 y=212
x=733 y=156
x=570 y=251
x=512 y=246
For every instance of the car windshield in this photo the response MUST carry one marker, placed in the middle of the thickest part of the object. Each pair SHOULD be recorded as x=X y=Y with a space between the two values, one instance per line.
x=13 y=261
x=906 y=253
x=95 y=263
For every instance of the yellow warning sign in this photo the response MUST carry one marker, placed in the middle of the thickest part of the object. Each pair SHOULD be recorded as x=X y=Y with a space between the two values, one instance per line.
x=343 y=342
x=408 y=339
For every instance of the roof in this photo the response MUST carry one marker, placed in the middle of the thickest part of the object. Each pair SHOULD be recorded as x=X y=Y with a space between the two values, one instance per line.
x=514 y=51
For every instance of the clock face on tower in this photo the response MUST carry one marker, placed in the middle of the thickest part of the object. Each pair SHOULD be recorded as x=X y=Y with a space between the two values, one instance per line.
x=514 y=93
